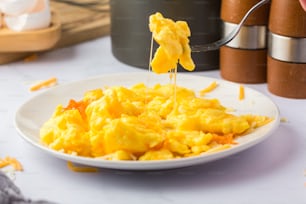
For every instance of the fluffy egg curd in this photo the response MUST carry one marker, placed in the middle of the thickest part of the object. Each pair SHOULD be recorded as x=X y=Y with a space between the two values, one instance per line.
x=144 y=123
x=174 y=44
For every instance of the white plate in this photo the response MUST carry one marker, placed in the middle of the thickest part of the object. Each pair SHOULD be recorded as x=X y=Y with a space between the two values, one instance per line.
x=33 y=113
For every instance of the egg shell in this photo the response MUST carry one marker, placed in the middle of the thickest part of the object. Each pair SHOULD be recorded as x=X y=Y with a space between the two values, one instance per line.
x=38 y=18
x=17 y=7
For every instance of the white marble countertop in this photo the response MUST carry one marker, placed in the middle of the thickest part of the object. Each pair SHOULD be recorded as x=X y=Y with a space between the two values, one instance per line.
x=271 y=172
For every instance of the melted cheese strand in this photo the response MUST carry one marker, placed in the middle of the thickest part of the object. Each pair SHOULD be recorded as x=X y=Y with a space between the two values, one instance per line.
x=149 y=67
x=151 y=53
x=175 y=88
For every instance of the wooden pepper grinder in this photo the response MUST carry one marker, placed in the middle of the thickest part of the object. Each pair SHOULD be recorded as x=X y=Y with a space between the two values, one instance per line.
x=244 y=59
x=287 y=49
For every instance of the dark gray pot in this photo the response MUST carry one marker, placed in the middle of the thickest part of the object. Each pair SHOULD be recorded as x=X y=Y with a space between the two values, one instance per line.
x=131 y=37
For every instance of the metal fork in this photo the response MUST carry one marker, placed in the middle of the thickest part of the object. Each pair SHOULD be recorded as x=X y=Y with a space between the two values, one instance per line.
x=216 y=45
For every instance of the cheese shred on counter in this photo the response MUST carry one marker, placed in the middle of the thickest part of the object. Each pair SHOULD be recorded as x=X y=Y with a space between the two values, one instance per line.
x=144 y=123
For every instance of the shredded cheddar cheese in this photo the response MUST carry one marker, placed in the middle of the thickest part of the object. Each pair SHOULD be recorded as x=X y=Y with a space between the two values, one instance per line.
x=174 y=44
x=208 y=89
x=47 y=83
x=11 y=161
x=241 y=92
x=82 y=169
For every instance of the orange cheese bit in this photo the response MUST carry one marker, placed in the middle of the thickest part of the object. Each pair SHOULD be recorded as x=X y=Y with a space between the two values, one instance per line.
x=31 y=58
x=241 y=92
x=11 y=161
x=47 y=83
x=77 y=105
x=82 y=169
x=224 y=139
x=210 y=88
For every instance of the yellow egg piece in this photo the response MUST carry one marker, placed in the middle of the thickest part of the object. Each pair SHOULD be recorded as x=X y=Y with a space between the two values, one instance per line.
x=174 y=44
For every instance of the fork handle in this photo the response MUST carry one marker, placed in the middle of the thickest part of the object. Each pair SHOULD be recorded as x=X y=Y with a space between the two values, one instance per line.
x=234 y=12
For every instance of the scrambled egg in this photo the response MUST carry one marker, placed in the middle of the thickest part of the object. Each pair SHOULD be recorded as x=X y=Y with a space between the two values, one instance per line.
x=148 y=123
x=144 y=123
x=174 y=44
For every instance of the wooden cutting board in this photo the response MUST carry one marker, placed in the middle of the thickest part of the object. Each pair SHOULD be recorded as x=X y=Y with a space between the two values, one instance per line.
x=81 y=20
